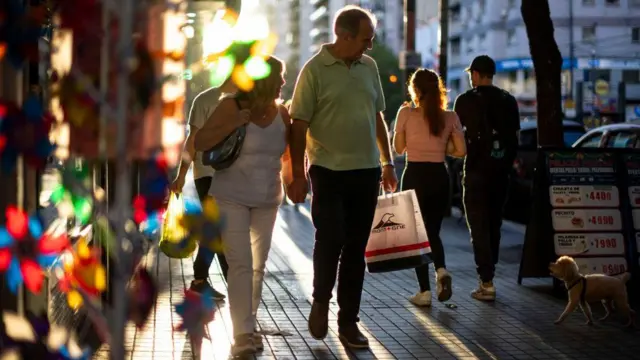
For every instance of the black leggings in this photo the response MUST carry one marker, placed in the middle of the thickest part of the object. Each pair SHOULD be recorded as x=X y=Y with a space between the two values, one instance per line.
x=204 y=258
x=431 y=183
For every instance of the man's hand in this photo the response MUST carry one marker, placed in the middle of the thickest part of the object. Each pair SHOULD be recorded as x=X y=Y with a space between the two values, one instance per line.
x=177 y=185
x=298 y=189
x=389 y=179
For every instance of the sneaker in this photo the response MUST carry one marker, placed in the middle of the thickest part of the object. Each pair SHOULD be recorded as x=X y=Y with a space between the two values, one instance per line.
x=243 y=345
x=421 y=299
x=353 y=337
x=485 y=292
x=319 y=320
x=203 y=286
x=443 y=284
x=257 y=341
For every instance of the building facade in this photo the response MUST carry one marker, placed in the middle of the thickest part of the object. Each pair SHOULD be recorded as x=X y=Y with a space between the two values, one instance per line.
x=604 y=35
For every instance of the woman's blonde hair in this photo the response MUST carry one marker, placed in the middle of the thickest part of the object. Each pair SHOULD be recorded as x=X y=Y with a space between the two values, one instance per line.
x=266 y=91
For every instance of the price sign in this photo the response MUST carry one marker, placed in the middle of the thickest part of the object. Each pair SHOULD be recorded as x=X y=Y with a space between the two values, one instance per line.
x=573 y=244
x=602 y=265
x=587 y=220
x=634 y=196
x=584 y=196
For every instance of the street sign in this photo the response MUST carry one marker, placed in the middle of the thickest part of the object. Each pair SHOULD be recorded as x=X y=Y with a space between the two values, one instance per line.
x=601 y=87
x=410 y=60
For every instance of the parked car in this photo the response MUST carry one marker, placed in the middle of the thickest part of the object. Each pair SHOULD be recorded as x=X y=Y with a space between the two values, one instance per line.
x=518 y=203
x=622 y=135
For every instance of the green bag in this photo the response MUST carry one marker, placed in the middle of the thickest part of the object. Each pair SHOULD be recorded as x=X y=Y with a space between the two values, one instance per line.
x=175 y=241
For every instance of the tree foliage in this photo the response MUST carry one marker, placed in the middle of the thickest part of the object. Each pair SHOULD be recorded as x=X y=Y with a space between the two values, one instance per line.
x=389 y=69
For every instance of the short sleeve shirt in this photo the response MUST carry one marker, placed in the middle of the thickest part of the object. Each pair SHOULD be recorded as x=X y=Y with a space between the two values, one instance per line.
x=340 y=104
x=203 y=106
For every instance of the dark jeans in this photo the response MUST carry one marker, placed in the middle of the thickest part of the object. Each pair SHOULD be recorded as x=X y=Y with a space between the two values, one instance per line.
x=484 y=198
x=431 y=184
x=205 y=257
x=342 y=209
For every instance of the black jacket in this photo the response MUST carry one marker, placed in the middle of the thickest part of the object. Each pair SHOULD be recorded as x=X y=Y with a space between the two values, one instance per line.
x=472 y=107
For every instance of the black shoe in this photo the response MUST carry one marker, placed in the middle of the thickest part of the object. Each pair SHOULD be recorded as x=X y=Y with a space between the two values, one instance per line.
x=202 y=287
x=319 y=320
x=353 y=337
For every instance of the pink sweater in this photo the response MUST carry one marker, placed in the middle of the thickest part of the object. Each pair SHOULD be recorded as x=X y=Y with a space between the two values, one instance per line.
x=422 y=146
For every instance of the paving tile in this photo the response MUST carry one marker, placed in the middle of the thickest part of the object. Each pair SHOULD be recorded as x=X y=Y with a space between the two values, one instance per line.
x=519 y=325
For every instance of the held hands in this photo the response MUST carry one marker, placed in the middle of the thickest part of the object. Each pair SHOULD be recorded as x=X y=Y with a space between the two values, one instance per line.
x=389 y=179
x=298 y=189
x=245 y=116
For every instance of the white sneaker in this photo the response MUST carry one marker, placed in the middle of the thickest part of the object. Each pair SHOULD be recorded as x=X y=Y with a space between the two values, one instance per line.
x=421 y=299
x=443 y=284
x=243 y=345
x=485 y=292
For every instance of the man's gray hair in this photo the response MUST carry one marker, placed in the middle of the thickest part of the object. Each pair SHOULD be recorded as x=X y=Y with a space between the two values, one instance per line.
x=348 y=20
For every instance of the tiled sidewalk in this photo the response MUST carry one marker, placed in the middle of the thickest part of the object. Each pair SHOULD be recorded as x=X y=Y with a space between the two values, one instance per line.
x=519 y=325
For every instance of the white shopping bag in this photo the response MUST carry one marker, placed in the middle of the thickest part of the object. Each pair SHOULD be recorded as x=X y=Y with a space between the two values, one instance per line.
x=398 y=238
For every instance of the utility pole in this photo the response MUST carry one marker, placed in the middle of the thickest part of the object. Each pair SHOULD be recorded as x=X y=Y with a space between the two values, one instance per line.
x=571 y=53
x=444 y=40
x=407 y=58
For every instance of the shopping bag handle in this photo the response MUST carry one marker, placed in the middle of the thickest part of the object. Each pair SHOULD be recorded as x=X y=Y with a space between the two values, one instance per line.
x=386 y=194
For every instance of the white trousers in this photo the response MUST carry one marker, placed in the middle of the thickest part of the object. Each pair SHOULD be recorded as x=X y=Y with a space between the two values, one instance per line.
x=246 y=242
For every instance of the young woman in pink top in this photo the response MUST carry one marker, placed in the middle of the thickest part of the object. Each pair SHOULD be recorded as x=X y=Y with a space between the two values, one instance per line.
x=427 y=133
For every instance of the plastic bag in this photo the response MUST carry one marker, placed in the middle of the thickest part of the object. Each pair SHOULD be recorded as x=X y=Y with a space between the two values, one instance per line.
x=175 y=241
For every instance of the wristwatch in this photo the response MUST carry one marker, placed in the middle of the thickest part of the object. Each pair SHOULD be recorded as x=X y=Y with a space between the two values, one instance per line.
x=388 y=163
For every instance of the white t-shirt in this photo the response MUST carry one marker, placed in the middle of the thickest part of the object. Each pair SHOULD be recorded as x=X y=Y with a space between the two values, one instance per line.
x=203 y=106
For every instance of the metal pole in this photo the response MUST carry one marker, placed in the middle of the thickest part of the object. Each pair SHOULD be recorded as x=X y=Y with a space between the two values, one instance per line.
x=123 y=192
x=571 y=52
x=444 y=40
x=410 y=37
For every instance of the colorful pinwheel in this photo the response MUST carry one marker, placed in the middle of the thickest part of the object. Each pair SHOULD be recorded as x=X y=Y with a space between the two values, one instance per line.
x=74 y=193
x=150 y=203
x=20 y=28
x=25 y=131
x=196 y=311
x=83 y=270
x=143 y=293
x=25 y=249
x=204 y=226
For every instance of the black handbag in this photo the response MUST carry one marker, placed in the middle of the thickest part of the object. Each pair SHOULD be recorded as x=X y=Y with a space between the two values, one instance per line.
x=225 y=153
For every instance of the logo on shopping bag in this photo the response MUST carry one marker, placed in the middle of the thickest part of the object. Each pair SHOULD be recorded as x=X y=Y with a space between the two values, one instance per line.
x=386 y=223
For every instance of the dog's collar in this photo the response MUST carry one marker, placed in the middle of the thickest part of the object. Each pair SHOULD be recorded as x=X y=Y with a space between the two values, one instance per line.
x=582 y=280
x=574 y=283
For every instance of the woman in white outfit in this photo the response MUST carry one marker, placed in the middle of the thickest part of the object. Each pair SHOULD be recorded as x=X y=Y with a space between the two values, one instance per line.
x=249 y=193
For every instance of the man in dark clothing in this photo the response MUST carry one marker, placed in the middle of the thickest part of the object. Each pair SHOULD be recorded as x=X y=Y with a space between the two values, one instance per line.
x=491 y=120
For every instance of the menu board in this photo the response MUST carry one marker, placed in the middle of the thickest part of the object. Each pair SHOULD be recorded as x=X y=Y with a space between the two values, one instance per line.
x=585 y=210
x=632 y=163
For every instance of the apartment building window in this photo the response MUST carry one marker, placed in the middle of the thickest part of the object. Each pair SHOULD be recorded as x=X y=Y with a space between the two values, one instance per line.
x=612 y=2
x=481 y=41
x=511 y=4
x=588 y=2
x=635 y=35
x=511 y=37
x=634 y=3
x=455 y=12
x=589 y=33
x=631 y=76
x=455 y=47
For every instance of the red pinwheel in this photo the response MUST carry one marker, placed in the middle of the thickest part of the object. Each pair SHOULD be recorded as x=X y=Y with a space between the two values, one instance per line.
x=153 y=190
x=25 y=249
x=197 y=310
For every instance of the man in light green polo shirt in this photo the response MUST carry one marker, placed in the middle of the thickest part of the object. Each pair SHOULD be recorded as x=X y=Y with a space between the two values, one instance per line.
x=337 y=116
